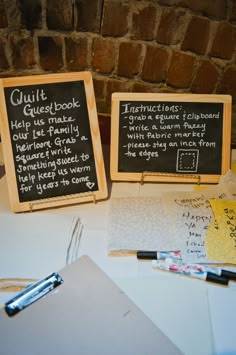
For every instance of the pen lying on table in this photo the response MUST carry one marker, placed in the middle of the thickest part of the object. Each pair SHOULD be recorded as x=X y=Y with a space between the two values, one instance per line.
x=194 y=271
x=214 y=270
x=176 y=257
x=158 y=255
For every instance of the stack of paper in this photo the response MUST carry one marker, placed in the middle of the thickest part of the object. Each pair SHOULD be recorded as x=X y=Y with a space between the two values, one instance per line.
x=172 y=221
x=138 y=223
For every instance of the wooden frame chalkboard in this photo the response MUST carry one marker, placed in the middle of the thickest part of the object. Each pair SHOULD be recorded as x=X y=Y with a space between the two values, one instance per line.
x=170 y=137
x=51 y=141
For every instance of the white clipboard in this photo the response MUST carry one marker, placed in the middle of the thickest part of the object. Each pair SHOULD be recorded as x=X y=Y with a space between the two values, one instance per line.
x=88 y=314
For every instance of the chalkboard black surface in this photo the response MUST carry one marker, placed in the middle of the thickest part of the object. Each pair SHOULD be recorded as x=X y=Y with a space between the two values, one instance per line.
x=170 y=137
x=48 y=124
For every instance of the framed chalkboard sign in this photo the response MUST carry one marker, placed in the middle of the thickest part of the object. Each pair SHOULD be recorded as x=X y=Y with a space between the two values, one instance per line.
x=51 y=141
x=170 y=137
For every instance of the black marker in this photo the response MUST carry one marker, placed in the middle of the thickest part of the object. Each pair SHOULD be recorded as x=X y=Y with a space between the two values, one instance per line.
x=158 y=255
x=229 y=274
x=190 y=272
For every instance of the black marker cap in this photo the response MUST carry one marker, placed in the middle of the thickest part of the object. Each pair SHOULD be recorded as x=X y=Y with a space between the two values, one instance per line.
x=229 y=274
x=150 y=255
x=217 y=279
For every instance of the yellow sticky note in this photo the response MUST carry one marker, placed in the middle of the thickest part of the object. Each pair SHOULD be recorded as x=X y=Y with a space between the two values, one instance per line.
x=221 y=235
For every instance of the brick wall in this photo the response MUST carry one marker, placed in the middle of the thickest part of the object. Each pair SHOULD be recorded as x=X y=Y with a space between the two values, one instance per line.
x=134 y=45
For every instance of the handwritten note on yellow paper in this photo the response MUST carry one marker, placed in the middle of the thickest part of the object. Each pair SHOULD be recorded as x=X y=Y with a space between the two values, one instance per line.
x=221 y=235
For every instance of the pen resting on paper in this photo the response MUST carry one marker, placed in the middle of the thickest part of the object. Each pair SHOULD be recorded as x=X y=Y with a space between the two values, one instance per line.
x=190 y=271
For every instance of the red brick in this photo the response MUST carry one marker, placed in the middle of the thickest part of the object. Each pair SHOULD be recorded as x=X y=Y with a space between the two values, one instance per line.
x=31 y=12
x=205 y=79
x=129 y=59
x=224 y=41
x=170 y=25
x=104 y=121
x=3 y=16
x=180 y=70
x=145 y=87
x=50 y=52
x=76 y=53
x=155 y=64
x=23 y=56
x=99 y=92
x=98 y=88
x=233 y=12
x=212 y=8
x=141 y=87
x=197 y=35
x=13 y=13
x=59 y=15
x=228 y=82
x=115 y=86
x=144 y=23
x=103 y=55
x=3 y=59
x=89 y=14
x=115 y=19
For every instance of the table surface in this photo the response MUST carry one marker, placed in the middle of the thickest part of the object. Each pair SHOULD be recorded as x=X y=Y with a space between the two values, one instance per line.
x=185 y=309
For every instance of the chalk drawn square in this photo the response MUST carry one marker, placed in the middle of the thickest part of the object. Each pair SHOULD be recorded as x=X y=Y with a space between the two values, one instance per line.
x=187 y=160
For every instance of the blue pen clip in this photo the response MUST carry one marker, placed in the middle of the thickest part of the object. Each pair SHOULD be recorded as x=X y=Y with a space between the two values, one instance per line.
x=32 y=293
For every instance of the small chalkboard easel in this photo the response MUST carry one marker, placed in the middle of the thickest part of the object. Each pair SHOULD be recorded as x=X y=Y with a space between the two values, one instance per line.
x=170 y=137
x=51 y=141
